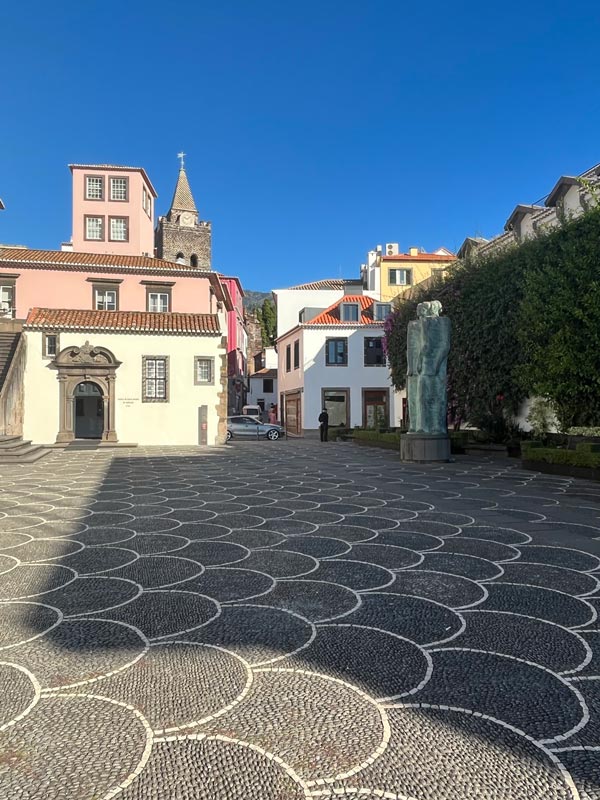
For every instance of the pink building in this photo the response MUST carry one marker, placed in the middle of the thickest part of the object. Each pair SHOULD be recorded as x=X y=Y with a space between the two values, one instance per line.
x=69 y=280
x=113 y=210
x=237 y=346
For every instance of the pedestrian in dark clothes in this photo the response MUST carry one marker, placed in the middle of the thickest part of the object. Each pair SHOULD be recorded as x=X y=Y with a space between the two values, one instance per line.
x=324 y=424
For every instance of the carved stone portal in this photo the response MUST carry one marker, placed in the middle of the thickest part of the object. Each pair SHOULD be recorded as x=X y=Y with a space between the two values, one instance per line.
x=86 y=363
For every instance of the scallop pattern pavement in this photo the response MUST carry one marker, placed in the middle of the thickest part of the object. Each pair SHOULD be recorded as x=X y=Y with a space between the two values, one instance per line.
x=296 y=620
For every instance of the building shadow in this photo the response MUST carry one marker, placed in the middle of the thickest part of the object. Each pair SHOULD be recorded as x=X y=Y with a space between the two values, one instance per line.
x=204 y=498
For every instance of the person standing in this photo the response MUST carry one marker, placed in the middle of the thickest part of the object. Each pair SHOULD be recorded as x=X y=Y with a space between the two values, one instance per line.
x=324 y=424
x=272 y=415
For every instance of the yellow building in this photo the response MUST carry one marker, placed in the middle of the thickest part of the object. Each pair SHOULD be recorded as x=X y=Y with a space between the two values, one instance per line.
x=389 y=273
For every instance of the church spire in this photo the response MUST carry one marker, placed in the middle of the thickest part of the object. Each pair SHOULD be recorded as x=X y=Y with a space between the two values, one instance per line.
x=181 y=237
x=183 y=199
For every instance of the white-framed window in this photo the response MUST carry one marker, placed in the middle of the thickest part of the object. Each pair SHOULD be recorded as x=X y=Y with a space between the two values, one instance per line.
x=7 y=298
x=400 y=277
x=119 y=188
x=105 y=299
x=94 y=187
x=381 y=311
x=158 y=301
x=119 y=229
x=336 y=352
x=374 y=356
x=94 y=228
x=154 y=379
x=50 y=345
x=204 y=370
x=144 y=199
x=349 y=312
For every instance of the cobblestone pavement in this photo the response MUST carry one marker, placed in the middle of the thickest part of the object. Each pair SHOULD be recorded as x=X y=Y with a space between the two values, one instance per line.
x=295 y=620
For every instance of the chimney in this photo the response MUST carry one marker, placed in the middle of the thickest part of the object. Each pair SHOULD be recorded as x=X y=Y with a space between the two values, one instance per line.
x=413 y=251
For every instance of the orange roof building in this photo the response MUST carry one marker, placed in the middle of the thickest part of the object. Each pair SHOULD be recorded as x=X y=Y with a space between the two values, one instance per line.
x=336 y=360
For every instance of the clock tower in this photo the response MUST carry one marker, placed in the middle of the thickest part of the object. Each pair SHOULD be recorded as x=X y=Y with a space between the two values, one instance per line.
x=180 y=235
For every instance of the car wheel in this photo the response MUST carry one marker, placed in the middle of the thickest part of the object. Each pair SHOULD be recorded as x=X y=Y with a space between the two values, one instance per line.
x=228 y=437
x=273 y=435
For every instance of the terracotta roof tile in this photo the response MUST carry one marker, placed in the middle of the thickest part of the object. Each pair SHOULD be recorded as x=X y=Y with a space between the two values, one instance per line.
x=264 y=373
x=125 y=321
x=330 y=283
x=419 y=257
x=332 y=315
x=9 y=256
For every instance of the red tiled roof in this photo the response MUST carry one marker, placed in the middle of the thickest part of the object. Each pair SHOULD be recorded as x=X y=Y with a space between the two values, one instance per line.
x=330 y=283
x=264 y=373
x=332 y=315
x=419 y=257
x=67 y=259
x=125 y=321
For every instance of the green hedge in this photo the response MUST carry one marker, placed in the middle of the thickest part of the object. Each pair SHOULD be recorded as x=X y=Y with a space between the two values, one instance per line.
x=583 y=431
x=389 y=440
x=525 y=323
x=573 y=458
x=338 y=433
x=587 y=447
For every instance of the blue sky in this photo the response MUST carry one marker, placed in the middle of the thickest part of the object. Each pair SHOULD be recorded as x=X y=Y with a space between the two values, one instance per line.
x=313 y=130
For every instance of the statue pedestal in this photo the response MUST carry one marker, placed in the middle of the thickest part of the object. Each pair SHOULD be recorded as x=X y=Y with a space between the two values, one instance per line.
x=425 y=447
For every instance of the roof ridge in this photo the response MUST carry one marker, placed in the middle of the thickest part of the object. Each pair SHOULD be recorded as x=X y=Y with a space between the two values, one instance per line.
x=79 y=258
x=126 y=321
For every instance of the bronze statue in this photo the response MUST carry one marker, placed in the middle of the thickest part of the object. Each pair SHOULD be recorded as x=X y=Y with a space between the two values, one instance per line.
x=428 y=345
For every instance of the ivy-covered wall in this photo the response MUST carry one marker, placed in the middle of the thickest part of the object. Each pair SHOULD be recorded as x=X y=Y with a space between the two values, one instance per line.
x=525 y=322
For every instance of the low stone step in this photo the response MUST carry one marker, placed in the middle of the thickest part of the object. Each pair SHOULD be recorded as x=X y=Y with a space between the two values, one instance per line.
x=13 y=444
x=17 y=449
x=8 y=438
x=32 y=454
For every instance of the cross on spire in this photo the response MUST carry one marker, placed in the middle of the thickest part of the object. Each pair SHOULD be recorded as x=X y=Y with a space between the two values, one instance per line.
x=181 y=156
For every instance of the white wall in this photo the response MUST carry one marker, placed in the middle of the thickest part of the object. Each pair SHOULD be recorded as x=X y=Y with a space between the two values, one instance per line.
x=355 y=377
x=255 y=393
x=572 y=202
x=373 y=273
x=171 y=423
x=290 y=303
x=270 y=358
x=294 y=379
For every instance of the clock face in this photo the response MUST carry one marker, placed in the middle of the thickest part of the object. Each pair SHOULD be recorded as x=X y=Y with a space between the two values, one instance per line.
x=187 y=219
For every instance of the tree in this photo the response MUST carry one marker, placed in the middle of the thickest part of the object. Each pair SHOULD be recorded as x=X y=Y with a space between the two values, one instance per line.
x=267 y=317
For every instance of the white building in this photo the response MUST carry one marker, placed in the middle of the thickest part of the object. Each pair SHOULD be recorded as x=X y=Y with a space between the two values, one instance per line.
x=335 y=361
x=262 y=384
x=300 y=303
x=120 y=376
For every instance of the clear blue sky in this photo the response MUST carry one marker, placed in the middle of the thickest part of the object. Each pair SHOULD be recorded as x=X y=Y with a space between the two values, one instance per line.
x=314 y=130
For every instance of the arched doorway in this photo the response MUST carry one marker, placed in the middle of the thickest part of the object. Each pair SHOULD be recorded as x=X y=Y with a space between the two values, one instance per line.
x=86 y=380
x=88 y=411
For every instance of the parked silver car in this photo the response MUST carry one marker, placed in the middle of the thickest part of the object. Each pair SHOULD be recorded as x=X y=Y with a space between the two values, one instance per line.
x=252 y=428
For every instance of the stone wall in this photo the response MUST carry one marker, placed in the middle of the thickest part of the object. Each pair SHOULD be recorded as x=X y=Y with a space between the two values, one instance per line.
x=221 y=407
x=172 y=238
x=255 y=344
x=12 y=395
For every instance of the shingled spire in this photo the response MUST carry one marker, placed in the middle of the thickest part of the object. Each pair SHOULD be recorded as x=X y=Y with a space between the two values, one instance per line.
x=183 y=199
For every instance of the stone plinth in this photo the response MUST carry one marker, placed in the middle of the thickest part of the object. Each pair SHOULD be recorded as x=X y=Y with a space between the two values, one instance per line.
x=424 y=447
